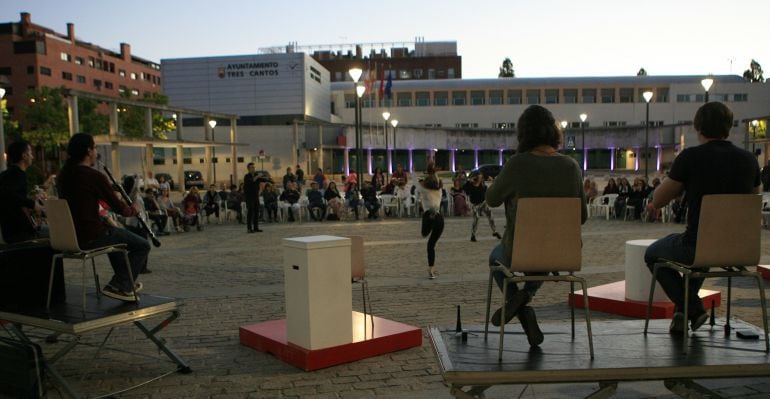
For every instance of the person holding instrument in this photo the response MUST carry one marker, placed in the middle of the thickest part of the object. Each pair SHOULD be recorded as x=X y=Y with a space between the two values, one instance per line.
x=15 y=205
x=83 y=187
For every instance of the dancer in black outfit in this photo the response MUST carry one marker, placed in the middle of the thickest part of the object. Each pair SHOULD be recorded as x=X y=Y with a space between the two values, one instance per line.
x=251 y=194
x=432 y=221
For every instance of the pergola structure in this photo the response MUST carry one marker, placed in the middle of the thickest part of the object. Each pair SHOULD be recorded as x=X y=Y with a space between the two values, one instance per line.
x=114 y=139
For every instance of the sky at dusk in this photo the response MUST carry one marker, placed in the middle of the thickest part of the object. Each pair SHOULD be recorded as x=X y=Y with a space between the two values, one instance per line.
x=544 y=38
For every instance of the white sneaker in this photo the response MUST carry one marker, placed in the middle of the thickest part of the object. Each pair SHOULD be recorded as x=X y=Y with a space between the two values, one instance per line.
x=431 y=273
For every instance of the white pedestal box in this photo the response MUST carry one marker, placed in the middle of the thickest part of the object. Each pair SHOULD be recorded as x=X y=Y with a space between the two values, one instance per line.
x=317 y=289
x=638 y=276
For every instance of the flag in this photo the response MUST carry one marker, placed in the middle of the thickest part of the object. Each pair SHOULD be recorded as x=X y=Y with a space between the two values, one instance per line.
x=388 y=86
x=382 y=83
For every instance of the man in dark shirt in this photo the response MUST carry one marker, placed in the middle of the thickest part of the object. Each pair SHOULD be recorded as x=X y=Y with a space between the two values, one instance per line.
x=251 y=194
x=371 y=203
x=300 y=175
x=315 y=201
x=715 y=166
x=83 y=187
x=15 y=205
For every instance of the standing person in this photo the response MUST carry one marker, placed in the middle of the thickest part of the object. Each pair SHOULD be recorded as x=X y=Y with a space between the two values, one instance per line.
x=537 y=170
x=300 y=175
x=15 y=205
x=432 y=221
x=378 y=179
x=83 y=187
x=766 y=176
x=477 y=190
x=320 y=179
x=716 y=166
x=251 y=194
x=288 y=178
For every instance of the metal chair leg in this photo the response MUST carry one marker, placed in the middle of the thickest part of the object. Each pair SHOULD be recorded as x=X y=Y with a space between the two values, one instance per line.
x=764 y=310
x=489 y=304
x=583 y=284
x=502 y=323
x=649 y=300
x=50 y=281
x=96 y=278
x=130 y=276
x=572 y=308
x=729 y=301
x=83 y=280
x=686 y=327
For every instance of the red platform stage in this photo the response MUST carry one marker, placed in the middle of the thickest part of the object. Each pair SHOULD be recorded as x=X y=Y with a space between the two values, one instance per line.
x=387 y=336
x=611 y=298
x=764 y=270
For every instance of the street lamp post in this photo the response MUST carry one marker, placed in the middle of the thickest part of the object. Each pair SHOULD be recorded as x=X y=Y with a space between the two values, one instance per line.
x=355 y=74
x=563 y=130
x=386 y=116
x=754 y=125
x=213 y=124
x=583 y=118
x=2 y=133
x=394 y=123
x=706 y=83
x=647 y=98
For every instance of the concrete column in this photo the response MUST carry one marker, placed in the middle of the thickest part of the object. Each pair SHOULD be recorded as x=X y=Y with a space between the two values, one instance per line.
x=452 y=159
x=113 y=119
x=179 y=166
x=658 y=158
x=346 y=156
x=369 y=160
x=476 y=157
x=178 y=125
x=612 y=158
x=636 y=159
x=321 y=147
x=148 y=151
x=585 y=160
x=410 y=168
x=233 y=152
x=72 y=113
x=295 y=144
x=115 y=156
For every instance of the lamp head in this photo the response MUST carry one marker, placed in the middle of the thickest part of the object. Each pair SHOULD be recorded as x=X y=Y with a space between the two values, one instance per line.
x=754 y=123
x=583 y=117
x=173 y=116
x=212 y=123
x=2 y=92
x=360 y=90
x=394 y=122
x=647 y=96
x=385 y=115
x=355 y=74
x=563 y=124
x=706 y=83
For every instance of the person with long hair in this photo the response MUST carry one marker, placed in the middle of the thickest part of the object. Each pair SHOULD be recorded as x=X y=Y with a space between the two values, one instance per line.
x=83 y=186
x=432 y=221
x=537 y=170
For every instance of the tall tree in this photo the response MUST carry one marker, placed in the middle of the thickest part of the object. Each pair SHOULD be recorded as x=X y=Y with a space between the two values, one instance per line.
x=45 y=118
x=131 y=120
x=642 y=72
x=506 y=70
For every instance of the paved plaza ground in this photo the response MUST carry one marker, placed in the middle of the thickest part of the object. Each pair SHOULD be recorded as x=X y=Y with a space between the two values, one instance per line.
x=227 y=278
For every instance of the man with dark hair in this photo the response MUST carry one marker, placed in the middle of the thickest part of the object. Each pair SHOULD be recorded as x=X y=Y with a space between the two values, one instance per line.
x=15 y=205
x=715 y=166
x=83 y=187
x=251 y=194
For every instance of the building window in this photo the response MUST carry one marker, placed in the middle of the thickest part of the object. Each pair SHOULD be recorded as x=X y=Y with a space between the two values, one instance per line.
x=496 y=97
x=514 y=96
x=450 y=73
x=589 y=96
x=122 y=89
x=81 y=79
x=134 y=92
x=45 y=71
x=5 y=71
x=404 y=99
x=608 y=96
x=683 y=98
x=662 y=95
x=570 y=96
x=431 y=74
x=79 y=60
x=122 y=72
x=441 y=74
x=98 y=64
x=440 y=98
x=422 y=99
x=466 y=125
x=458 y=98
x=699 y=98
x=533 y=96
x=108 y=85
x=552 y=96
x=404 y=74
x=417 y=73
x=504 y=125
x=30 y=69
x=66 y=76
x=741 y=97
x=65 y=57
x=133 y=76
x=338 y=76
x=626 y=95
x=477 y=97
x=98 y=83
x=91 y=62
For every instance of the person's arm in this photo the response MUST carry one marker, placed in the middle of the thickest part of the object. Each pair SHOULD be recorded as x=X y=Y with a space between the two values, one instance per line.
x=666 y=191
x=106 y=192
x=502 y=187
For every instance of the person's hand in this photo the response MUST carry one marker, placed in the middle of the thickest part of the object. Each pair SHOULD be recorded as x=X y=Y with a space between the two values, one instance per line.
x=136 y=207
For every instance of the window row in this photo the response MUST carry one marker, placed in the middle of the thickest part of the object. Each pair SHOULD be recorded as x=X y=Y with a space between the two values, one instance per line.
x=109 y=67
x=400 y=74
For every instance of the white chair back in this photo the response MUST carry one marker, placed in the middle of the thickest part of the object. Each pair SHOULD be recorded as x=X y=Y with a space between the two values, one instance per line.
x=729 y=230
x=61 y=227
x=547 y=235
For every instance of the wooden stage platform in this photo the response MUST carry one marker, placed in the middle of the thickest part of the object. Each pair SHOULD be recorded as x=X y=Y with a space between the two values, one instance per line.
x=622 y=353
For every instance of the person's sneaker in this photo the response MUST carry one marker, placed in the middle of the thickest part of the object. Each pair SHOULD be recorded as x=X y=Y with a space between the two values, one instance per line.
x=473 y=238
x=431 y=273
x=528 y=322
x=698 y=320
x=520 y=298
x=497 y=235
x=677 y=323
x=120 y=295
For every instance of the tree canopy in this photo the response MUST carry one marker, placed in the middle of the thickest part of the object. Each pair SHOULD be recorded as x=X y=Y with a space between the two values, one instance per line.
x=506 y=70
x=754 y=73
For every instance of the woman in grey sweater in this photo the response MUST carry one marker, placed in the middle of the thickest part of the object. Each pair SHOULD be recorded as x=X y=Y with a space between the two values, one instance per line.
x=537 y=170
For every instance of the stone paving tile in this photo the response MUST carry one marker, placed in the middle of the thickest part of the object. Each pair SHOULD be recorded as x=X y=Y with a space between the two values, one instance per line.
x=227 y=278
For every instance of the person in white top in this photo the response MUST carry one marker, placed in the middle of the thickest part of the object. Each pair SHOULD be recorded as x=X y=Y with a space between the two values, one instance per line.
x=432 y=221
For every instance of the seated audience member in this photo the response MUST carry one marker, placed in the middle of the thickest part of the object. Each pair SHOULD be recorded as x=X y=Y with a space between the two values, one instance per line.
x=403 y=194
x=624 y=189
x=611 y=187
x=636 y=196
x=211 y=202
x=378 y=179
x=163 y=184
x=191 y=205
x=270 y=198
x=171 y=210
x=291 y=196
x=589 y=186
x=154 y=211
x=371 y=203
x=389 y=188
x=334 y=201
x=151 y=182
x=234 y=200
x=400 y=175
x=352 y=199
x=651 y=213
x=316 y=206
x=459 y=199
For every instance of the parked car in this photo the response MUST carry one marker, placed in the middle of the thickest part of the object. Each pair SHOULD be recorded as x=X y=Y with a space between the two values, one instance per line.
x=489 y=170
x=166 y=177
x=266 y=175
x=193 y=178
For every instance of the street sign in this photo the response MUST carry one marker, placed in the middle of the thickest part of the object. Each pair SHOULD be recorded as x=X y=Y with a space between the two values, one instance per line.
x=570 y=142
